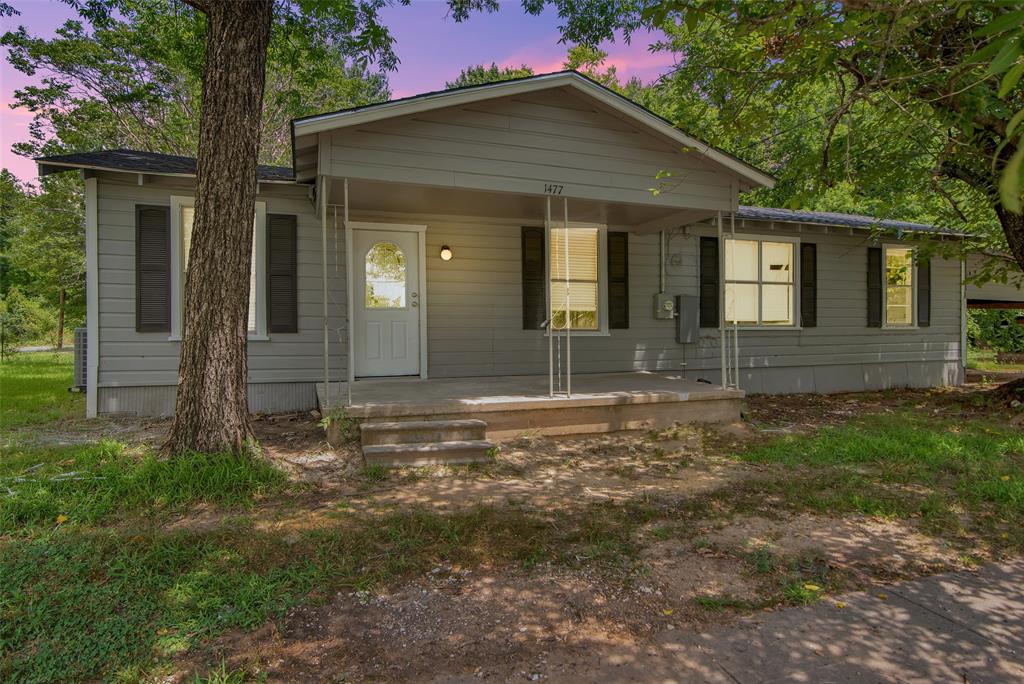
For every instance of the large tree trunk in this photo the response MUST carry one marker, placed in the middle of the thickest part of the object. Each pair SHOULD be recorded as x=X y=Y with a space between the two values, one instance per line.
x=1013 y=228
x=212 y=412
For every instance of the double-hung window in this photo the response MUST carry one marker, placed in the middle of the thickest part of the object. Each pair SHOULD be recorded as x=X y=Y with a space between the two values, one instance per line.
x=759 y=282
x=182 y=222
x=578 y=279
x=899 y=286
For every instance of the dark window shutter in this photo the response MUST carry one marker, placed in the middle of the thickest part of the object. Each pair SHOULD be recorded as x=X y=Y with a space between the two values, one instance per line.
x=875 y=289
x=924 y=293
x=708 y=282
x=618 y=280
x=808 y=284
x=534 y=272
x=282 y=274
x=152 y=268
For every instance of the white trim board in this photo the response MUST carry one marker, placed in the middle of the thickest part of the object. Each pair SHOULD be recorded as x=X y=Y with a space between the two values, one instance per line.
x=92 y=298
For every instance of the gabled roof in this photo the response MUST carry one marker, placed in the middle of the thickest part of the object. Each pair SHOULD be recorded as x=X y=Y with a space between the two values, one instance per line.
x=625 y=107
x=142 y=162
x=830 y=218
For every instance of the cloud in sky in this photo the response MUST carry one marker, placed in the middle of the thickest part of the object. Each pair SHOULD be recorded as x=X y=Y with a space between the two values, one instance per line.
x=433 y=49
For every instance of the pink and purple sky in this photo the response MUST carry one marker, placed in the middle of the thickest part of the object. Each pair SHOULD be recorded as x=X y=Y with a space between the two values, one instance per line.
x=432 y=48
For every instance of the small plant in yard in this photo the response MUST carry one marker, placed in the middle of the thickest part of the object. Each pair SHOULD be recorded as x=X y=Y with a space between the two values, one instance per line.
x=337 y=419
x=374 y=473
x=762 y=559
x=722 y=602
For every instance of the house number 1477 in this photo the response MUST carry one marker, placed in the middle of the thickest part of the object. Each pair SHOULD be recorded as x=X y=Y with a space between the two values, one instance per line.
x=552 y=189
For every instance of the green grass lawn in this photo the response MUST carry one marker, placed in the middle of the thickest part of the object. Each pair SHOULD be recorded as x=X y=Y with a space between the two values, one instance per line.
x=97 y=584
x=34 y=389
x=984 y=360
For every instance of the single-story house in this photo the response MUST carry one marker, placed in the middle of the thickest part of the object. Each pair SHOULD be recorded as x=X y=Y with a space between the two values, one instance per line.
x=543 y=238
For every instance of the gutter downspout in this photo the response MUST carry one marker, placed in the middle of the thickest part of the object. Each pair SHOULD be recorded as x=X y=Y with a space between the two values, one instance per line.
x=963 y=322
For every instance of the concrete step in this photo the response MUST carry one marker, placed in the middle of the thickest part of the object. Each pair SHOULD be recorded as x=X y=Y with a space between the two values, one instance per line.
x=428 y=453
x=421 y=431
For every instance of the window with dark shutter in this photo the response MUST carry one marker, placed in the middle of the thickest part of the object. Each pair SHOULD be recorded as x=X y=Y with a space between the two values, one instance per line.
x=875 y=290
x=709 y=282
x=924 y=293
x=282 y=274
x=618 y=280
x=808 y=284
x=152 y=268
x=534 y=286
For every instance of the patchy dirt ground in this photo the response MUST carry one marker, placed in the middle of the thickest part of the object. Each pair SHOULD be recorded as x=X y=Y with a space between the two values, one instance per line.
x=561 y=621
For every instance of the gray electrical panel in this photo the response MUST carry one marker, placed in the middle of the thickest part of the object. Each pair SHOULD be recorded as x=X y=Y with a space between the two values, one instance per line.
x=687 y=319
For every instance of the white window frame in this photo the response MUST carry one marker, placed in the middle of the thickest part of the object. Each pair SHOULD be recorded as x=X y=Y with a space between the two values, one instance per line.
x=886 y=246
x=602 y=279
x=178 y=202
x=759 y=238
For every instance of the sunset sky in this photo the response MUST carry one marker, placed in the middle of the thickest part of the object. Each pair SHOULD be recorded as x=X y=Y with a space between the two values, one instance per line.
x=432 y=48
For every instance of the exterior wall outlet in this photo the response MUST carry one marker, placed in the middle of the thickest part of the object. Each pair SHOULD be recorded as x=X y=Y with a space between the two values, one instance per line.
x=664 y=305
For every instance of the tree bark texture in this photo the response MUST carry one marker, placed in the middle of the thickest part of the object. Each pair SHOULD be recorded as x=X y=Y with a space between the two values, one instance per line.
x=1013 y=228
x=212 y=411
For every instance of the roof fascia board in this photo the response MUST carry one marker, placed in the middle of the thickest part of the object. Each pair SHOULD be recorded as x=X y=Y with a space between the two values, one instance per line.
x=633 y=111
x=905 y=231
x=426 y=103
x=170 y=174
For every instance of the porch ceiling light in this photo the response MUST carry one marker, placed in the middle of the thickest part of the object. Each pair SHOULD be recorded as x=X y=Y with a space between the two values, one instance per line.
x=446 y=253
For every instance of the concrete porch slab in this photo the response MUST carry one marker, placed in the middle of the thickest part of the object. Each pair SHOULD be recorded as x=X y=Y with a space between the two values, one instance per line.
x=513 y=405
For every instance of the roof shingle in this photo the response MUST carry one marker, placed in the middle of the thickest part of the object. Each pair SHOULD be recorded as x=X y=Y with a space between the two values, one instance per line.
x=146 y=162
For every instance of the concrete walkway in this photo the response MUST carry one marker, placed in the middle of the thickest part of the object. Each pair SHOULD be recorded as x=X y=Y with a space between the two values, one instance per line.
x=961 y=627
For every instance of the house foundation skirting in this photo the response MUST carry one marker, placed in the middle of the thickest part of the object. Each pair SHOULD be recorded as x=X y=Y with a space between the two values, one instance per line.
x=822 y=379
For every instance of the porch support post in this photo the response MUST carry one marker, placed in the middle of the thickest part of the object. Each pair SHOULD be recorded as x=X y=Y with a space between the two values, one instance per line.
x=735 y=324
x=349 y=303
x=721 y=301
x=325 y=186
x=547 y=290
x=568 y=307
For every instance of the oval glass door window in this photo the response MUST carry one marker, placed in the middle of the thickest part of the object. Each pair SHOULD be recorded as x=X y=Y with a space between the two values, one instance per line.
x=385 y=277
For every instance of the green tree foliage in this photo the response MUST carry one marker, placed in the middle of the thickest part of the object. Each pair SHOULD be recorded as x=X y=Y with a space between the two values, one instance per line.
x=23 y=319
x=49 y=247
x=902 y=109
x=12 y=197
x=127 y=73
x=479 y=75
x=996 y=329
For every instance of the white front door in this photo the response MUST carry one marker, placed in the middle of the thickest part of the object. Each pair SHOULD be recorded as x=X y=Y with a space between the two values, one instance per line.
x=387 y=302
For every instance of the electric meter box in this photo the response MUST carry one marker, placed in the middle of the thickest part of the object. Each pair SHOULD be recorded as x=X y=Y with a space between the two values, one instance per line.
x=664 y=306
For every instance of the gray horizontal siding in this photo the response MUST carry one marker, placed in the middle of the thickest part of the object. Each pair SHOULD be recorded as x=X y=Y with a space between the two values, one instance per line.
x=474 y=311
x=129 y=358
x=518 y=143
x=1010 y=291
x=474 y=314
